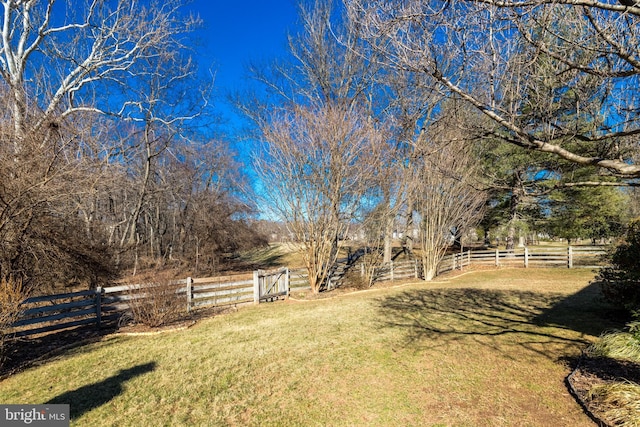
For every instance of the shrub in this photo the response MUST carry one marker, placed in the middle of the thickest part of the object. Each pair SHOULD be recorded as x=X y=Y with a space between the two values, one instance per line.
x=617 y=345
x=157 y=303
x=620 y=281
x=12 y=293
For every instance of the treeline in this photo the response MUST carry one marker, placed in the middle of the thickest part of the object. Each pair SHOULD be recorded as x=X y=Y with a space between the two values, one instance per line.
x=91 y=209
x=448 y=117
x=108 y=162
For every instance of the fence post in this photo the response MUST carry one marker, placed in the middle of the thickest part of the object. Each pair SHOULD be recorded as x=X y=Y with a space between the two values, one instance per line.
x=570 y=257
x=391 y=270
x=453 y=262
x=98 y=306
x=189 y=293
x=256 y=287
x=526 y=257
x=415 y=267
x=468 y=256
x=497 y=257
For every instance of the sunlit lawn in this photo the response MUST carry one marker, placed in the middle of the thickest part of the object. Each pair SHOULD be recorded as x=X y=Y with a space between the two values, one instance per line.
x=486 y=348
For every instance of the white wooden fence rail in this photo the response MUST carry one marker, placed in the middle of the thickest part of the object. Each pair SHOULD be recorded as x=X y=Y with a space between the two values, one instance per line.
x=53 y=312
x=569 y=257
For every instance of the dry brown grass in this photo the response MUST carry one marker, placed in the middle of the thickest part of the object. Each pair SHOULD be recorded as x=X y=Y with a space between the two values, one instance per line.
x=610 y=377
x=483 y=349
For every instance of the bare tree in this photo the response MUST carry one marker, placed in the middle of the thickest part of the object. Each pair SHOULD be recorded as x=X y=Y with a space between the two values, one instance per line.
x=444 y=179
x=65 y=57
x=524 y=64
x=316 y=169
x=62 y=66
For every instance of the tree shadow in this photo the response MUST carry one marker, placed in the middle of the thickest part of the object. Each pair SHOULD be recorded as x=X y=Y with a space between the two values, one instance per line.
x=609 y=369
x=437 y=317
x=86 y=398
x=586 y=312
x=23 y=352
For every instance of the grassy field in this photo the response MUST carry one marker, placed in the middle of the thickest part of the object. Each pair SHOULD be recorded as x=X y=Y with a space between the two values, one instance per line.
x=483 y=349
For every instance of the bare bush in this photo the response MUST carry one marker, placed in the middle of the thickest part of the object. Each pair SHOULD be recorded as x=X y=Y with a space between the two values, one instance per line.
x=446 y=201
x=158 y=302
x=12 y=293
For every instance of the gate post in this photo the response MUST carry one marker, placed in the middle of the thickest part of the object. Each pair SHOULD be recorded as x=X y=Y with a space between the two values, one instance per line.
x=569 y=257
x=256 y=287
x=286 y=282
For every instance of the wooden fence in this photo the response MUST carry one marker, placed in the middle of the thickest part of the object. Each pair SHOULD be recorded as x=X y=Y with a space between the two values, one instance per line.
x=59 y=312
x=397 y=270
x=102 y=305
x=569 y=257
x=54 y=312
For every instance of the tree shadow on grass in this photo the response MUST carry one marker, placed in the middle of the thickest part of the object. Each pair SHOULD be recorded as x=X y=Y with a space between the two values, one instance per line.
x=586 y=312
x=438 y=317
x=23 y=352
x=86 y=398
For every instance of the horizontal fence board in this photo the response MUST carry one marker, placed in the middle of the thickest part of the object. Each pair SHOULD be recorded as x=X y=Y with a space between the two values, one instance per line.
x=42 y=319
x=223 y=301
x=213 y=294
x=55 y=327
x=218 y=279
x=52 y=298
x=223 y=285
x=58 y=307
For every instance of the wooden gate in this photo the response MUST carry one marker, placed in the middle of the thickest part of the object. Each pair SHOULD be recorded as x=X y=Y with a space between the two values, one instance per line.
x=270 y=285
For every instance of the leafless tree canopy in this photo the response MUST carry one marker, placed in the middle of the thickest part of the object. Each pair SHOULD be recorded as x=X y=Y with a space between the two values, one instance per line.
x=317 y=166
x=443 y=183
x=101 y=170
x=353 y=138
x=555 y=76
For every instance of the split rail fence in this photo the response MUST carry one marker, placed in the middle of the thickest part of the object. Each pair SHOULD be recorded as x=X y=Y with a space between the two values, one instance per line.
x=568 y=257
x=102 y=305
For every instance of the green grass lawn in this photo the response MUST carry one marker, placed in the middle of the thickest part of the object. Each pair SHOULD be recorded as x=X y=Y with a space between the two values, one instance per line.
x=486 y=348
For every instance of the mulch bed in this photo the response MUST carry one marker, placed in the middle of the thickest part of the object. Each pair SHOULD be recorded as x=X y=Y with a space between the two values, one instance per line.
x=593 y=371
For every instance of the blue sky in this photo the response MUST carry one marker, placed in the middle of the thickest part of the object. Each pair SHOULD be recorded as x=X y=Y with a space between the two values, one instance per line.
x=237 y=32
